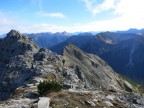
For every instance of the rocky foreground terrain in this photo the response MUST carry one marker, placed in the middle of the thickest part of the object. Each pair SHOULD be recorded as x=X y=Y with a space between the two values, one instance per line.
x=88 y=81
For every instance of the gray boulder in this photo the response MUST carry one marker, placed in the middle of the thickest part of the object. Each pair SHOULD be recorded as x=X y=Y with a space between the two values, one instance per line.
x=44 y=102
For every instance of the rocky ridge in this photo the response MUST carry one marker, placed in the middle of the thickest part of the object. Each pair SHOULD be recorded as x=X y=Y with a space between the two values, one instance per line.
x=93 y=70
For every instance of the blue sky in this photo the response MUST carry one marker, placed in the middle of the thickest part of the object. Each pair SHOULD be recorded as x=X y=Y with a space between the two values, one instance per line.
x=31 y=16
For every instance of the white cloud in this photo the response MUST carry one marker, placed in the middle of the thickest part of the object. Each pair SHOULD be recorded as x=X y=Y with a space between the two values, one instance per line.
x=8 y=22
x=52 y=15
x=130 y=8
x=107 y=25
x=106 y=5
x=88 y=3
x=129 y=14
x=96 y=8
x=37 y=28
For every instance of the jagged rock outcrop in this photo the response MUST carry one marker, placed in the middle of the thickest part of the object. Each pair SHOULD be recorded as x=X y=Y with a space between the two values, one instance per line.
x=20 y=61
x=16 y=56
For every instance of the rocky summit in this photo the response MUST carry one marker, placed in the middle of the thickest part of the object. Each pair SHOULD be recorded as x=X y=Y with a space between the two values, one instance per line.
x=86 y=79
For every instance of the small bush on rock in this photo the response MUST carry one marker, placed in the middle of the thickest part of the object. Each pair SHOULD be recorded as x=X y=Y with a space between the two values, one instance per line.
x=48 y=86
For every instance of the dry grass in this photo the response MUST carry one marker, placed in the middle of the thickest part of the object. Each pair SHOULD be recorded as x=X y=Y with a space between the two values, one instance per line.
x=52 y=77
x=71 y=100
x=64 y=99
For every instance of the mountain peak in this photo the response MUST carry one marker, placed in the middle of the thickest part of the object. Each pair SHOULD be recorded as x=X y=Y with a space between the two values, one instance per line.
x=16 y=43
x=70 y=46
x=15 y=36
x=14 y=33
x=74 y=51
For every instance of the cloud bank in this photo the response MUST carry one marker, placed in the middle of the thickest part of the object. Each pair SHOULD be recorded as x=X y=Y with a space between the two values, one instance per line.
x=52 y=15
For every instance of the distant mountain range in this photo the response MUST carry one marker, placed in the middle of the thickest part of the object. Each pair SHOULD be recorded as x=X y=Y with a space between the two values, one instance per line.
x=132 y=30
x=47 y=40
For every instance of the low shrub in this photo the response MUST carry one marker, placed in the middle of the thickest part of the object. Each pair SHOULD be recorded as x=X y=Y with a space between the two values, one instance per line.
x=48 y=86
